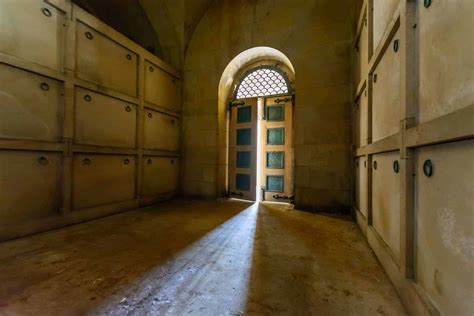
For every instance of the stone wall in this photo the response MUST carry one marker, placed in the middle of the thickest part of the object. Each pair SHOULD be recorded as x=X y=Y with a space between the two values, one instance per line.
x=317 y=38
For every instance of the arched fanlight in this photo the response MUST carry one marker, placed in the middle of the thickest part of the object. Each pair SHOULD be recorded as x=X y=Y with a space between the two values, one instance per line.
x=261 y=82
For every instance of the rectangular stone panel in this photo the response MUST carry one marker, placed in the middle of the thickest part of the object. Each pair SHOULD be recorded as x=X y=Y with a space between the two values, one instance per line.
x=101 y=60
x=446 y=66
x=34 y=31
x=102 y=179
x=386 y=200
x=161 y=131
x=30 y=185
x=160 y=175
x=103 y=121
x=361 y=185
x=386 y=106
x=161 y=88
x=31 y=105
x=444 y=225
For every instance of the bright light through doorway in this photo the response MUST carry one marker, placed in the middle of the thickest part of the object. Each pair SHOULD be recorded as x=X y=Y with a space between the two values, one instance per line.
x=259 y=144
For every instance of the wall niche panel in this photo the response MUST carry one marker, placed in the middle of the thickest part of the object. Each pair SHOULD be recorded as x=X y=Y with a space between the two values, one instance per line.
x=101 y=60
x=446 y=69
x=34 y=31
x=361 y=55
x=386 y=200
x=161 y=131
x=102 y=179
x=104 y=121
x=30 y=186
x=361 y=185
x=386 y=108
x=72 y=143
x=383 y=12
x=31 y=105
x=160 y=175
x=362 y=120
x=161 y=88
x=445 y=225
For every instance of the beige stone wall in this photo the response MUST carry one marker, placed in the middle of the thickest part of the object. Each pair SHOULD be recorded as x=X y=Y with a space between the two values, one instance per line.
x=414 y=106
x=89 y=120
x=317 y=38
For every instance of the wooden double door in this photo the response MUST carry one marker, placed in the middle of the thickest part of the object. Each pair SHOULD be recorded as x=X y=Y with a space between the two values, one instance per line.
x=260 y=149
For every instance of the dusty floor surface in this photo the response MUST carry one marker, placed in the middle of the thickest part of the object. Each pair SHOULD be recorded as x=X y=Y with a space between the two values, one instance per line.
x=197 y=258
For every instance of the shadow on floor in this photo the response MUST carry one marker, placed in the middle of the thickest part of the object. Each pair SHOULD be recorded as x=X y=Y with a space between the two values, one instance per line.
x=197 y=258
x=72 y=270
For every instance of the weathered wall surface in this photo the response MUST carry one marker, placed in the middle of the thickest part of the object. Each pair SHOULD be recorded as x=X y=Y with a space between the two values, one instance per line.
x=414 y=106
x=89 y=122
x=316 y=37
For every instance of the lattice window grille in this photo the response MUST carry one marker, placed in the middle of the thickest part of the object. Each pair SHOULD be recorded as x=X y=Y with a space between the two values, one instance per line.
x=262 y=82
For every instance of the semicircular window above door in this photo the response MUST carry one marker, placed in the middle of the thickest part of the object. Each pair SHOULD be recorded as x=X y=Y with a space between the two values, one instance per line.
x=263 y=81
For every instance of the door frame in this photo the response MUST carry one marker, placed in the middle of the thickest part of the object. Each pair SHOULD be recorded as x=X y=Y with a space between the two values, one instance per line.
x=261 y=107
x=226 y=95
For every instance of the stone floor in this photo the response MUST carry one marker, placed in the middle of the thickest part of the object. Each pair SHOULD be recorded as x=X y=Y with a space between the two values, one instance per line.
x=197 y=258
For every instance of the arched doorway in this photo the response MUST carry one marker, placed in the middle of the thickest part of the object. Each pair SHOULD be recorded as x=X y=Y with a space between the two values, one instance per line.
x=256 y=98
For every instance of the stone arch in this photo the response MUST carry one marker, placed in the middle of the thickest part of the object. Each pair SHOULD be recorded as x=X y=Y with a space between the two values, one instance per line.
x=233 y=72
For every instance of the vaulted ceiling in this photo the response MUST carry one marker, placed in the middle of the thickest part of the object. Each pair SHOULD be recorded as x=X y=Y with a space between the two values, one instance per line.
x=164 y=27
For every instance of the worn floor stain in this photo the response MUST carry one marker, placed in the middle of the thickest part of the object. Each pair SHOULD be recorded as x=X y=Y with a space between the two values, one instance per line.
x=197 y=258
